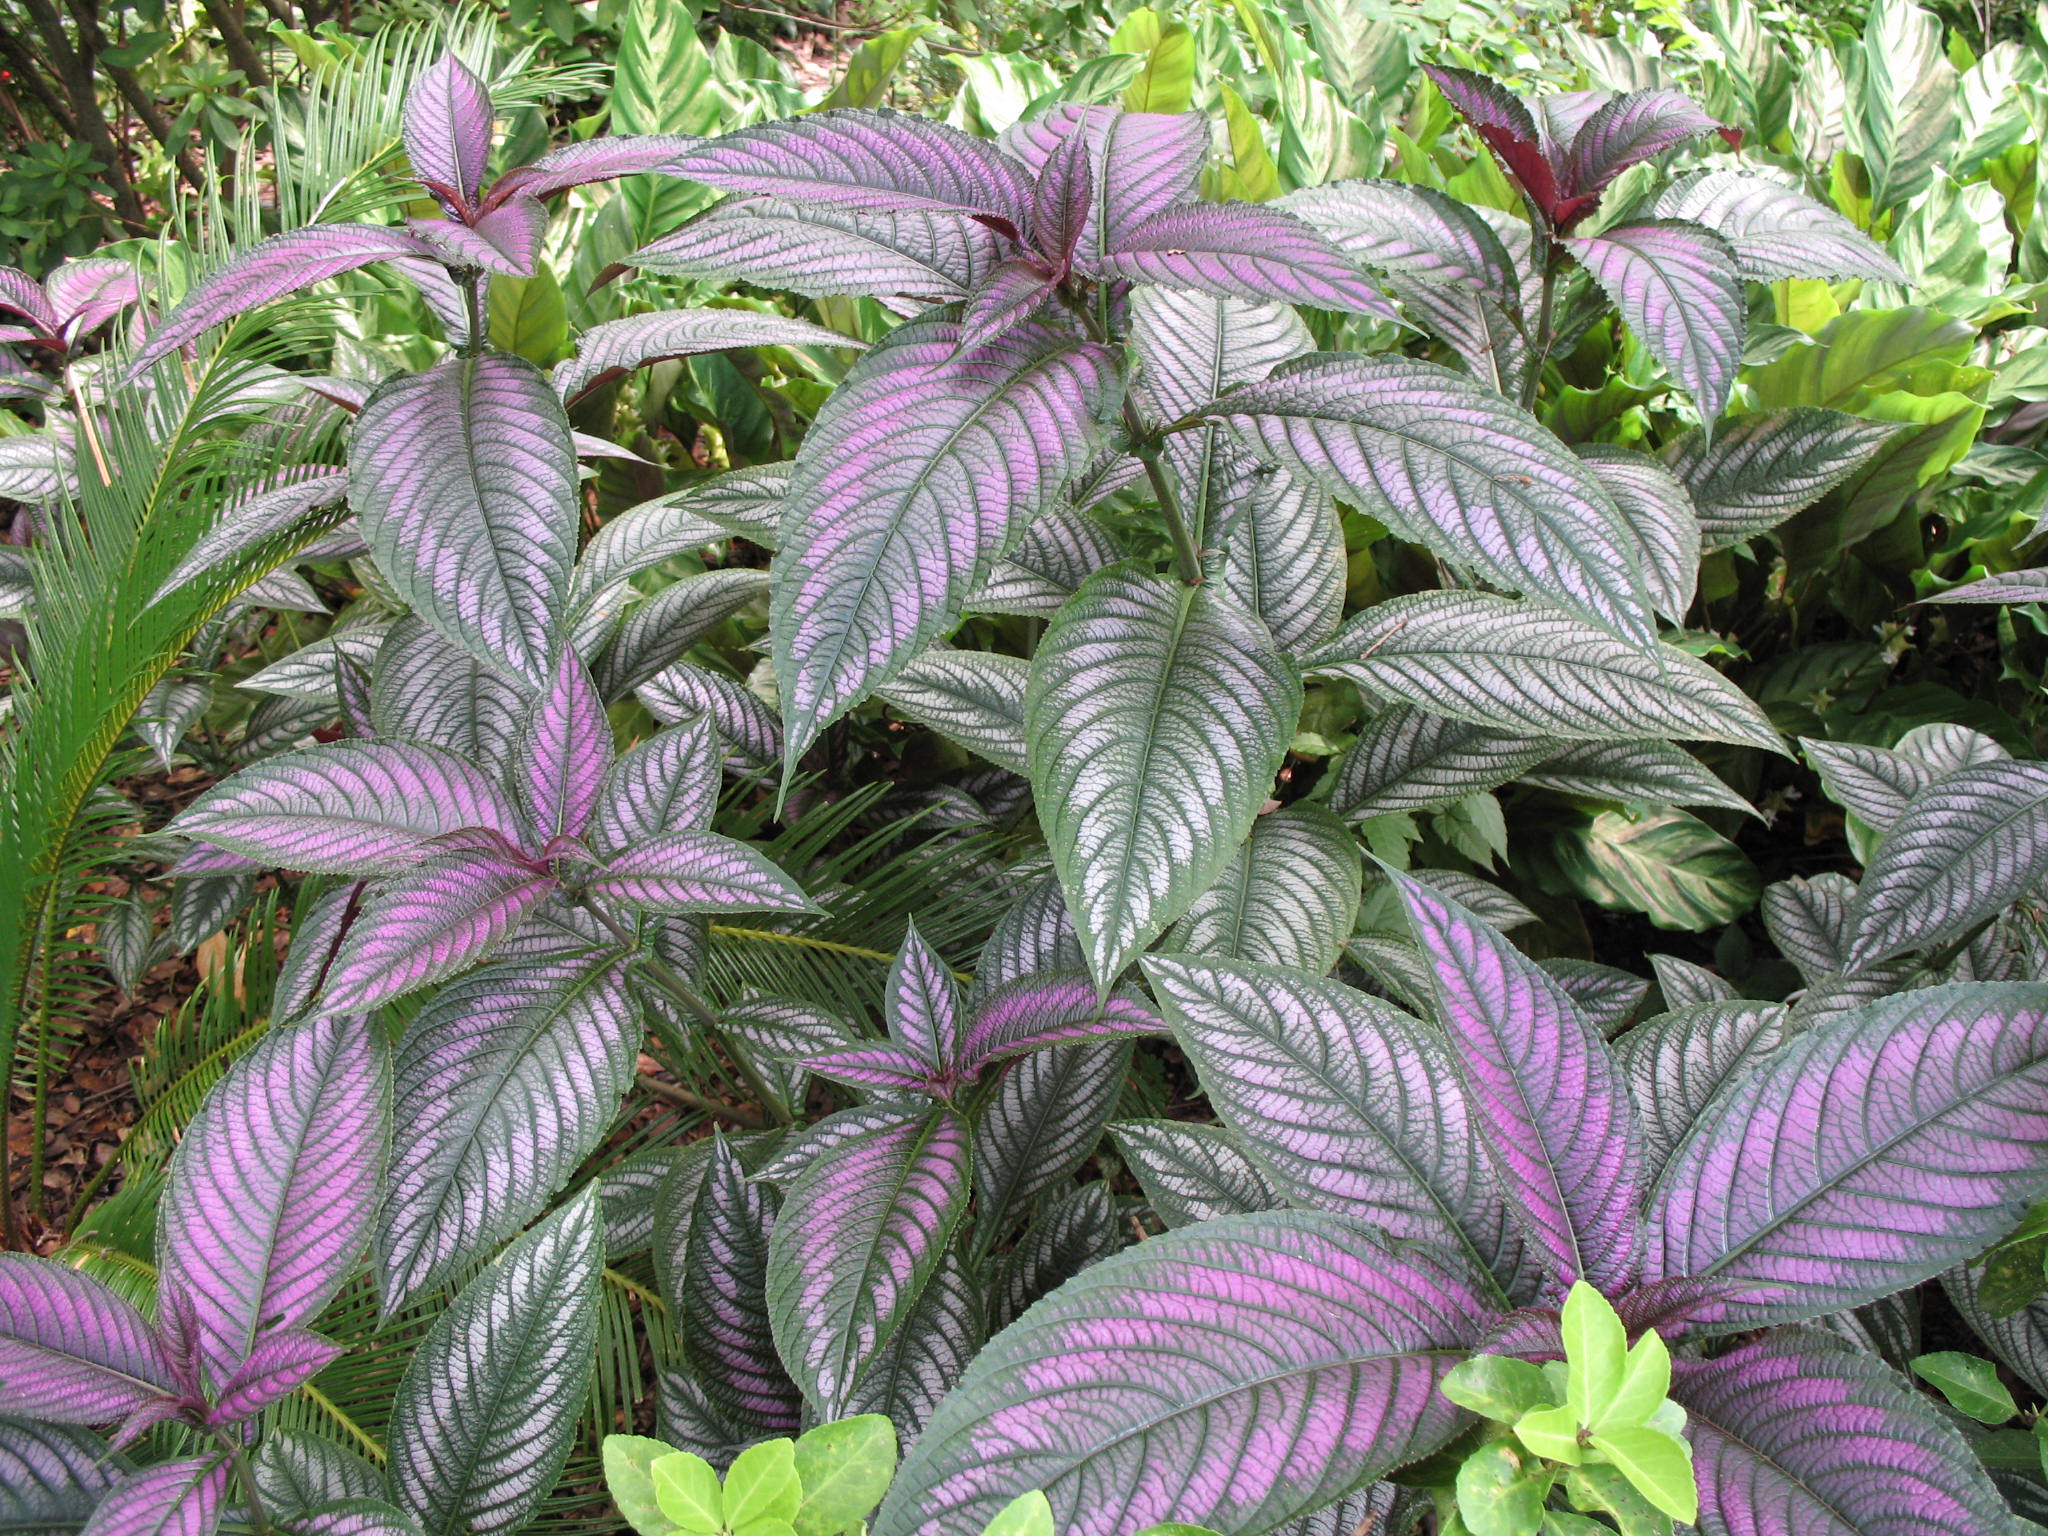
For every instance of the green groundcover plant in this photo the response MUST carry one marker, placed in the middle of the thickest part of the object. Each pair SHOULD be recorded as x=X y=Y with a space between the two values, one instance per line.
x=1233 y=513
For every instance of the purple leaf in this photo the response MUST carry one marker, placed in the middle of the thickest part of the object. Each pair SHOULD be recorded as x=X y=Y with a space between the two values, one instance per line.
x=1344 y=1102
x=1547 y=1096
x=435 y=919
x=1662 y=524
x=735 y=711
x=72 y=1352
x=576 y=165
x=1244 y=251
x=507 y=239
x=448 y=131
x=1034 y=1012
x=1044 y=1120
x=1451 y=464
x=1409 y=760
x=867 y=161
x=1677 y=286
x=721 y=1310
x=662 y=629
x=1069 y=1233
x=172 y=1498
x=1140 y=163
x=667 y=783
x=22 y=295
x=1014 y=292
x=205 y=859
x=51 y=1476
x=1504 y=125
x=464 y=480
x=2029 y=586
x=487 y=1410
x=696 y=871
x=1929 y=1141
x=1627 y=131
x=1191 y=1172
x=427 y=689
x=873 y=1064
x=617 y=347
x=1231 y=1375
x=1962 y=850
x=913 y=1372
x=1035 y=934
x=275 y=1185
x=277 y=266
x=279 y=1365
x=860 y=1232
x=1759 y=470
x=1804 y=1432
x=921 y=1003
x=921 y=471
x=804 y=248
x=1062 y=201
x=87 y=294
x=505 y=1082
x=1157 y=715
x=568 y=751
x=350 y=1517
x=349 y=808
x=1678 y=1062
x=1777 y=231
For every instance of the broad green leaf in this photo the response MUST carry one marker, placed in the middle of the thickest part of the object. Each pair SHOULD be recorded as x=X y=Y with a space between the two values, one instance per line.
x=629 y=1476
x=845 y=1467
x=1499 y=1493
x=1645 y=1381
x=1658 y=1464
x=662 y=82
x=1551 y=1433
x=1536 y=670
x=762 y=1485
x=1029 y=1514
x=1970 y=1384
x=529 y=317
x=687 y=1490
x=1498 y=1387
x=1596 y=1352
x=1156 y=716
x=1665 y=863
x=1290 y=897
x=1167 y=81
x=484 y=1415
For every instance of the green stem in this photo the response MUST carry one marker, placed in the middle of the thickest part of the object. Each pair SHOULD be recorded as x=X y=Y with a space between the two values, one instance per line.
x=471 y=282
x=694 y=1003
x=1545 y=319
x=259 y=1518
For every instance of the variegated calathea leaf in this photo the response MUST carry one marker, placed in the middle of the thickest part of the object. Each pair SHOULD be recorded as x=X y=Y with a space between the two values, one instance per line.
x=919 y=475
x=464 y=480
x=861 y=1231
x=483 y=1419
x=1531 y=668
x=1156 y=717
x=1202 y=1338
x=1448 y=463
x=1290 y=897
x=505 y=1081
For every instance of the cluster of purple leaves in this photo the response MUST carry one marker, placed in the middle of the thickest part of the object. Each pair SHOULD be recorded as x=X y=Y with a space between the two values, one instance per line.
x=1448 y=1180
x=267 y=1212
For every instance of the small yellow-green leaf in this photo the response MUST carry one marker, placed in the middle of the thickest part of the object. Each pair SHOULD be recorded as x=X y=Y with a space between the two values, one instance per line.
x=1658 y=1465
x=1552 y=1433
x=628 y=1460
x=686 y=1489
x=1258 y=180
x=1645 y=1380
x=845 y=1468
x=1595 y=1352
x=1608 y=1490
x=1167 y=82
x=1500 y=1494
x=1497 y=1387
x=1029 y=1514
x=761 y=1485
x=1971 y=1385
